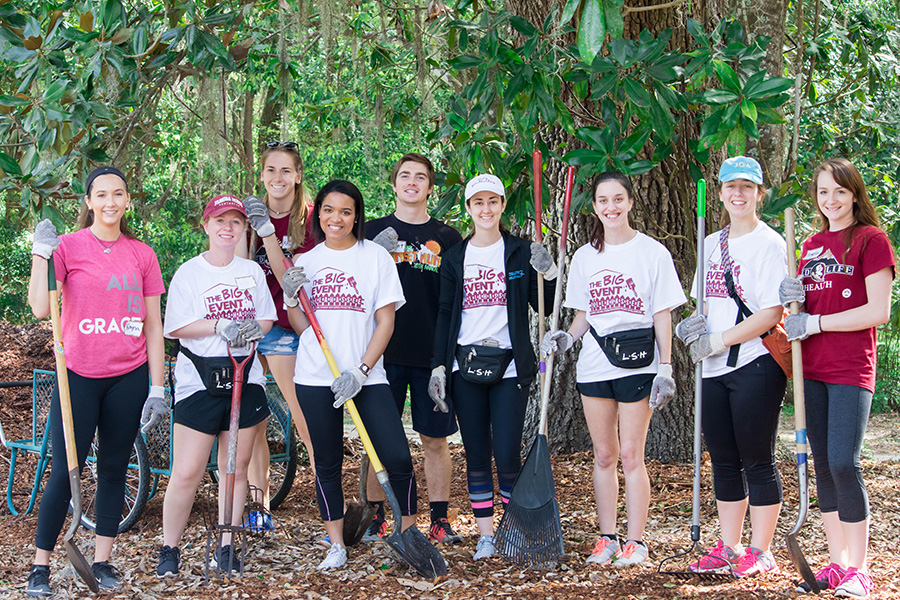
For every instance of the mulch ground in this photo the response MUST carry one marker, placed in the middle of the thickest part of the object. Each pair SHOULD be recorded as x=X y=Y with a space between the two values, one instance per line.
x=282 y=564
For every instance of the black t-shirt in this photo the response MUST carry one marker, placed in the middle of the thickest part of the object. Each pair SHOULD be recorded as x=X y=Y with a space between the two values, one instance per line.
x=418 y=259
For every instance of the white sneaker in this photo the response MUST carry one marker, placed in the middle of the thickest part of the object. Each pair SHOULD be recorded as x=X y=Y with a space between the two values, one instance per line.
x=335 y=558
x=604 y=551
x=485 y=547
x=632 y=554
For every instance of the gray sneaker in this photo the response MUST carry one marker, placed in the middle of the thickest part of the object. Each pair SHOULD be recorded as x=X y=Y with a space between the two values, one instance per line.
x=169 y=561
x=38 y=582
x=485 y=547
x=108 y=577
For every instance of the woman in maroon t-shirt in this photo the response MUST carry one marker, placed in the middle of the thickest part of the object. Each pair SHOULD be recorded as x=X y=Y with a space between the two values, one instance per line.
x=281 y=228
x=845 y=276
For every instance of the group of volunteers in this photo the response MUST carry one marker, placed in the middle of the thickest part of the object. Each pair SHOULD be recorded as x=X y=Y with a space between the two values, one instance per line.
x=409 y=307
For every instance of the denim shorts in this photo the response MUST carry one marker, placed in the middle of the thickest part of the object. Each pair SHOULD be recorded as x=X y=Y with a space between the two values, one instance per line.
x=279 y=341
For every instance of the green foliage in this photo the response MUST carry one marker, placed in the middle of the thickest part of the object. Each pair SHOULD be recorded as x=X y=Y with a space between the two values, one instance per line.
x=14 y=271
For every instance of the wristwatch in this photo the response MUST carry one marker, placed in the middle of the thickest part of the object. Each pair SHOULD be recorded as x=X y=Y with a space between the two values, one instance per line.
x=364 y=368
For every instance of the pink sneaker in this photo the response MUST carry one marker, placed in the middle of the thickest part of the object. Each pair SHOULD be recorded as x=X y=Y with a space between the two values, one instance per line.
x=755 y=561
x=718 y=559
x=828 y=578
x=855 y=584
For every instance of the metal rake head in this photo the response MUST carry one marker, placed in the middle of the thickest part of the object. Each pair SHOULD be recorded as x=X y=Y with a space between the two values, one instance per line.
x=706 y=576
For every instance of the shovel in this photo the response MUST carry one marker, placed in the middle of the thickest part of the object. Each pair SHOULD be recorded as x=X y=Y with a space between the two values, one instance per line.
x=793 y=545
x=411 y=545
x=358 y=515
x=65 y=404
x=530 y=532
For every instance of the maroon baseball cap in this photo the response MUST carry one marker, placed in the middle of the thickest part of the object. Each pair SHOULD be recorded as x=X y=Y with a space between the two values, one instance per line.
x=222 y=204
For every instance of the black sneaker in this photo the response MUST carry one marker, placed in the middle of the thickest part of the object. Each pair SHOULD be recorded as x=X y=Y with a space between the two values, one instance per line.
x=168 y=561
x=443 y=533
x=223 y=556
x=108 y=577
x=38 y=582
x=377 y=530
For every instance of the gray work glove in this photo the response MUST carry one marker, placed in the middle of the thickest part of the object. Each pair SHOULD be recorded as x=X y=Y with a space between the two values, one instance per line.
x=791 y=290
x=801 y=326
x=556 y=341
x=663 y=388
x=294 y=279
x=542 y=262
x=708 y=344
x=387 y=239
x=691 y=328
x=155 y=408
x=437 y=388
x=258 y=214
x=347 y=385
x=250 y=331
x=45 y=240
x=230 y=331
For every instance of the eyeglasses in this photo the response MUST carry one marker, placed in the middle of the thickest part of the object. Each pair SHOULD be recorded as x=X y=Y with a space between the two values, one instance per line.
x=285 y=145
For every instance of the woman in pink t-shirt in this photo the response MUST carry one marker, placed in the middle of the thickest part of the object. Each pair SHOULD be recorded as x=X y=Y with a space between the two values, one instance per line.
x=279 y=228
x=112 y=332
x=845 y=276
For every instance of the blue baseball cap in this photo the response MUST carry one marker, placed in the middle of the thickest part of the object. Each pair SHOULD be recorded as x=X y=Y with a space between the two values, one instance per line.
x=741 y=167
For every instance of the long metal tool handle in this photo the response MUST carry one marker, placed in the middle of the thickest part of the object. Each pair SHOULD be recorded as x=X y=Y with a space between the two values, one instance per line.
x=557 y=296
x=65 y=404
x=698 y=368
x=237 y=387
x=537 y=165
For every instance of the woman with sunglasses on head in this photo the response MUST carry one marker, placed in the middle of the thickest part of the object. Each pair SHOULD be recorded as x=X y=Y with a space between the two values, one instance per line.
x=354 y=288
x=112 y=334
x=487 y=283
x=281 y=227
x=743 y=386
x=623 y=283
x=845 y=275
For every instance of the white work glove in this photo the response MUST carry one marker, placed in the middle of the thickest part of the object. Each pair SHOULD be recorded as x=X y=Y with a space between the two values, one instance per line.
x=556 y=341
x=45 y=240
x=688 y=330
x=230 y=331
x=387 y=239
x=542 y=262
x=437 y=388
x=663 y=388
x=155 y=408
x=801 y=326
x=708 y=344
x=347 y=385
x=250 y=331
x=258 y=214
x=294 y=279
x=791 y=290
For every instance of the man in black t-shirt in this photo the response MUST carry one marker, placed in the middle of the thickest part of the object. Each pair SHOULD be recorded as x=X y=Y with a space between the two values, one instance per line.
x=421 y=240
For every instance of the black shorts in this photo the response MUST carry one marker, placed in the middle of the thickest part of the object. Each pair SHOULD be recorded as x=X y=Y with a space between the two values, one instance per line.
x=426 y=420
x=632 y=388
x=211 y=414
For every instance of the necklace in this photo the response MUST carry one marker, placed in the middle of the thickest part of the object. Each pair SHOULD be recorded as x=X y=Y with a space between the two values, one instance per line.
x=278 y=213
x=107 y=247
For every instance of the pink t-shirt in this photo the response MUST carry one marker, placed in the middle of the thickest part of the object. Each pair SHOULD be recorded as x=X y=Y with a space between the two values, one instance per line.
x=102 y=293
x=835 y=283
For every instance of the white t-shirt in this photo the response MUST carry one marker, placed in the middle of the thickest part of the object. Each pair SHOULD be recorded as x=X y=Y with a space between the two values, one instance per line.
x=620 y=289
x=346 y=288
x=760 y=263
x=484 y=314
x=202 y=291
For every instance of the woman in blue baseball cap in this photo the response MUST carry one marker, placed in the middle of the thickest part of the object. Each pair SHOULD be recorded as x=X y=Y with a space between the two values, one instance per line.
x=743 y=386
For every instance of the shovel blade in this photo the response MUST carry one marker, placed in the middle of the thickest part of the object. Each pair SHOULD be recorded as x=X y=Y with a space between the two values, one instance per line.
x=415 y=549
x=357 y=519
x=800 y=563
x=72 y=551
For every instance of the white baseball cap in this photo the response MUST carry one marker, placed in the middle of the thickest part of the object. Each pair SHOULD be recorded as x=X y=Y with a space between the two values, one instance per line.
x=485 y=183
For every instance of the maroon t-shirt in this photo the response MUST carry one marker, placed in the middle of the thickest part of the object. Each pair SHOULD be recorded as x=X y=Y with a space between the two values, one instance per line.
x=835 y=281
x=290 y=248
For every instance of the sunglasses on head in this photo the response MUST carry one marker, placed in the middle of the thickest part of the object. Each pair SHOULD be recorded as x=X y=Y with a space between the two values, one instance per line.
x=285 y=145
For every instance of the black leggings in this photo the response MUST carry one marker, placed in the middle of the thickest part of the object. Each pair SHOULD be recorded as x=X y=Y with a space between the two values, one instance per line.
x=326 y=432
x=111 y=407
x=836 y=419
x=491 y=419
x=740 y=421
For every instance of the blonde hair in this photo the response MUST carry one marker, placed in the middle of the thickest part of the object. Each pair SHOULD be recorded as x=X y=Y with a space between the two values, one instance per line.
x=300 y=206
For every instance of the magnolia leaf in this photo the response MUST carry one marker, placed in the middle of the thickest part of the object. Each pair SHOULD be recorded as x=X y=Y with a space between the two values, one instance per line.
x=591 y=30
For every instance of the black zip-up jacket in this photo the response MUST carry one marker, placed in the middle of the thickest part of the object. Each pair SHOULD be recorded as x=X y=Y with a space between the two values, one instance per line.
x=521 y=290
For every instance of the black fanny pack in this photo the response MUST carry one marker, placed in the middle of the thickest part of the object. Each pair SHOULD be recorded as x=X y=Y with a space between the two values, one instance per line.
x=216 y=373
x=480 y=363
x=631 y=349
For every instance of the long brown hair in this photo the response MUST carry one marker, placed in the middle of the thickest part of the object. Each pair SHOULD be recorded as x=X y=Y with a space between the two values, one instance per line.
x=86 y=215
x=302 y=200
x=847 y=176
x=597 y=231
